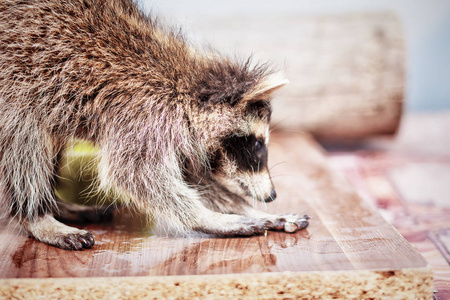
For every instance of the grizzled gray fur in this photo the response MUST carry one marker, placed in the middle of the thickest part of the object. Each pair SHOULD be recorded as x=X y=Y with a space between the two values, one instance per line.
x=183 y=133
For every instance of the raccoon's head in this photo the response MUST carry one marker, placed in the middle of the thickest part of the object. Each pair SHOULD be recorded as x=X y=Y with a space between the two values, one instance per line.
x=241 y=122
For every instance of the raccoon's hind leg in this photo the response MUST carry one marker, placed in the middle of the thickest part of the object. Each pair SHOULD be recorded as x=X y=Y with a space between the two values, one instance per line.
x=27 y=165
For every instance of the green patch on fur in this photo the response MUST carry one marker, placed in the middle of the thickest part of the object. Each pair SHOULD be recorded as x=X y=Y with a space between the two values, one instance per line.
x=77 y=180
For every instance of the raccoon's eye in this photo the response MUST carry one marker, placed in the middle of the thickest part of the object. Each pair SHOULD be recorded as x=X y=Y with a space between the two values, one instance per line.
x=258 y=147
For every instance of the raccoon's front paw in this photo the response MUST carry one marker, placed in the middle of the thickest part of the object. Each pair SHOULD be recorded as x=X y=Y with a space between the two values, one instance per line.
x=248 y=226
x=290 y=223
x=235 y=225
x=76 y=241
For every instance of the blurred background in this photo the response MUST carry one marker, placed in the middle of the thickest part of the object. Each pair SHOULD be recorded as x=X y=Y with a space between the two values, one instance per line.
x=425 y=25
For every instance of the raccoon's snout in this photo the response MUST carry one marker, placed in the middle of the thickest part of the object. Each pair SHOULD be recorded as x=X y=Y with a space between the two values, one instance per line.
x=240 y=165
x=273 y=196
x=257 y=187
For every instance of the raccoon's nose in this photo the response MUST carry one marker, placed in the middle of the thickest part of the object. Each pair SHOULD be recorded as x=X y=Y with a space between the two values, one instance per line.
x=272 y=196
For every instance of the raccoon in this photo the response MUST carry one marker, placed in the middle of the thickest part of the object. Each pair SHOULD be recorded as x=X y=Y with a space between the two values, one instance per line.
x=182 y=132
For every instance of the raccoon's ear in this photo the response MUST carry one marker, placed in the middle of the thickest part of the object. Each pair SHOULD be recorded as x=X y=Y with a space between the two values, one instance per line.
x=266 y=87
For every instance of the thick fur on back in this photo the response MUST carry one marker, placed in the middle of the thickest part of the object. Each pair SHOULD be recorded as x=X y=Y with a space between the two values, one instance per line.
x=102 y=70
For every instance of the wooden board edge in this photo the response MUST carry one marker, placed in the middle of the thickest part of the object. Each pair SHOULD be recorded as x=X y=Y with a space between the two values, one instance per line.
x=415 y=283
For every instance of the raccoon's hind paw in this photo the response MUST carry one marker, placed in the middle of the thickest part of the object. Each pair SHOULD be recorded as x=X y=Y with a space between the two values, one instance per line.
x=48 y=230
x=77 y=241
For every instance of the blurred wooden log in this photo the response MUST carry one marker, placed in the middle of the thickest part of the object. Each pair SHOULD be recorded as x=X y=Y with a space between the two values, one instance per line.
x=346 y=71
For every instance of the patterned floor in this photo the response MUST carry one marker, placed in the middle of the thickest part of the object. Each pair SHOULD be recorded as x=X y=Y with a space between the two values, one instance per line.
x=408 y=179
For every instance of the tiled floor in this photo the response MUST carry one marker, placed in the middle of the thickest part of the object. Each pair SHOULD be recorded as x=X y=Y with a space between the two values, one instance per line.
x=408 y=179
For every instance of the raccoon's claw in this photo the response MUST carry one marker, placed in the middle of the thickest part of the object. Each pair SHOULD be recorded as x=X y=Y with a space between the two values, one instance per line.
x=290 y=223
x=77 y=241
x=87 y=240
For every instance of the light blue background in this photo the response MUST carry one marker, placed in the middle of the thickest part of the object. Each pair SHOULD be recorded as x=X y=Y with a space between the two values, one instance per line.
x=426 y=28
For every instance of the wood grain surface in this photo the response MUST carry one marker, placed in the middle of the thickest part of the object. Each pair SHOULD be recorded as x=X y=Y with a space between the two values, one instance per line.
x=407 y=179
x=346 y=237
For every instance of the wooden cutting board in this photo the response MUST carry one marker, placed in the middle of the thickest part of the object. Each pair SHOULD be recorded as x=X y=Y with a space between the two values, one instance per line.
x=347 y=251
